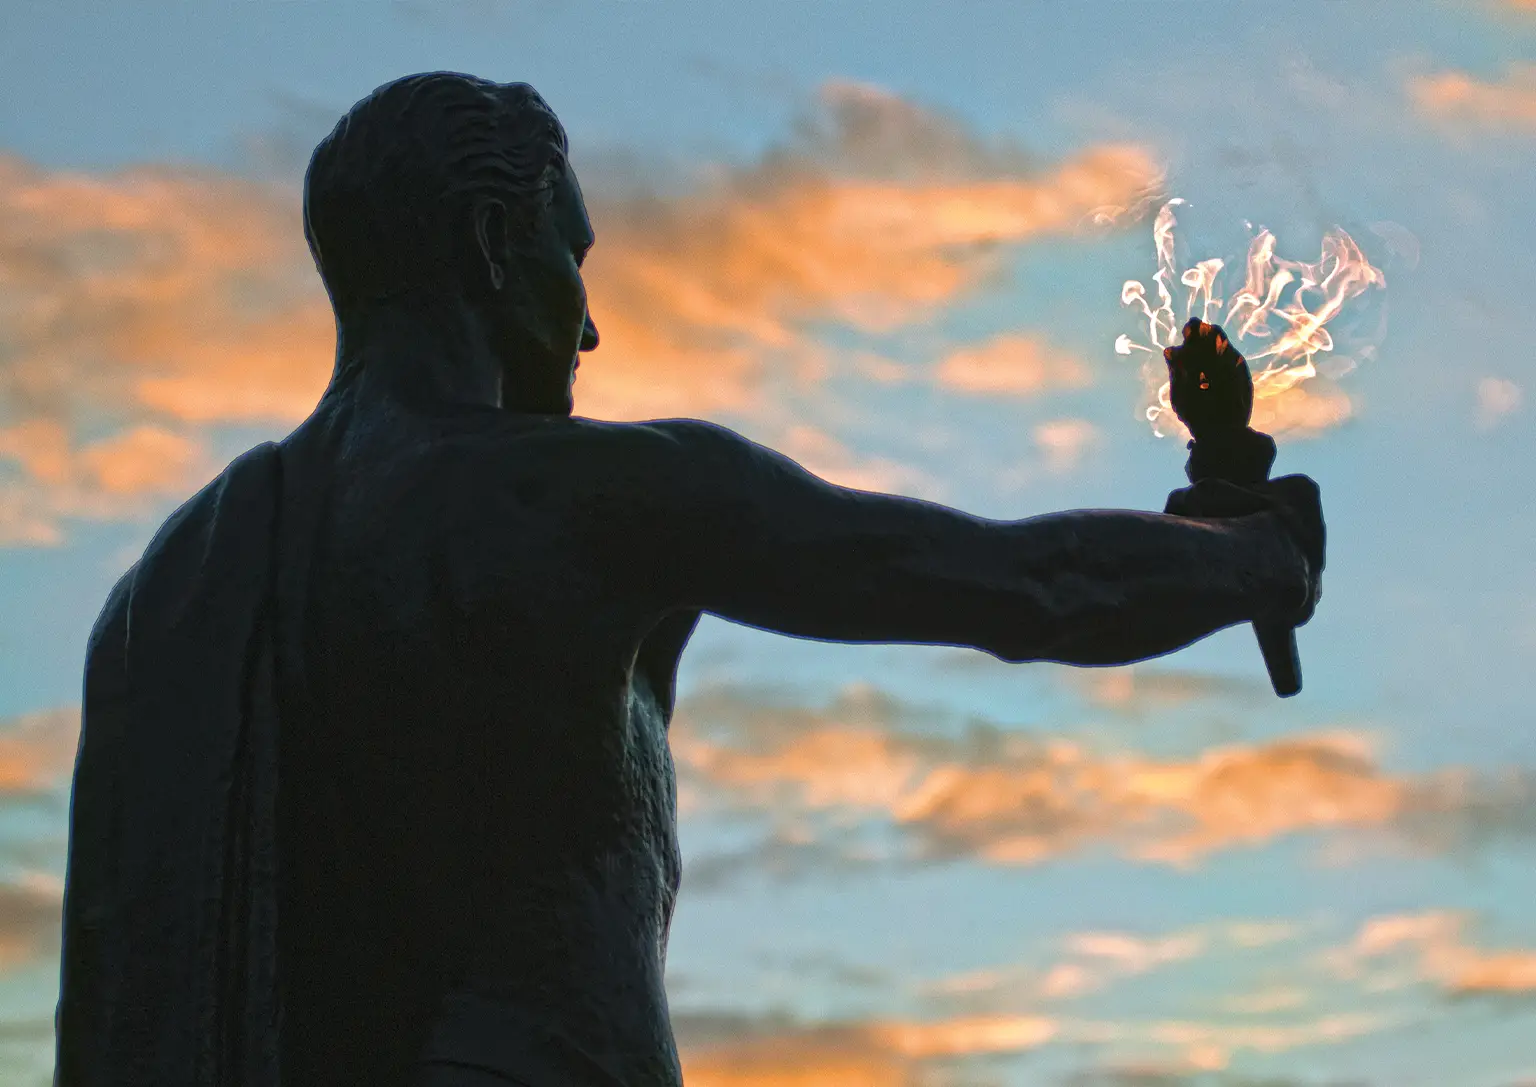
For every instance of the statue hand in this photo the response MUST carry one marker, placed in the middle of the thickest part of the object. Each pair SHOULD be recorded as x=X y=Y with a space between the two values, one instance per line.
x=1295 y=505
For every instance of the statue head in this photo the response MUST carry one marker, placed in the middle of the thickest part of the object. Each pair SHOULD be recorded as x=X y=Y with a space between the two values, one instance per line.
x=444 y=193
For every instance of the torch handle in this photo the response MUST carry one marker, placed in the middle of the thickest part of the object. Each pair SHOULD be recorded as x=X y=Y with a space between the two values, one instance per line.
x=1244 y=457
x=1278 y=644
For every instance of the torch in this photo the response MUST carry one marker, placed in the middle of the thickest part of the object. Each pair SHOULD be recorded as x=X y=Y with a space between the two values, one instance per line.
x=1211 y=391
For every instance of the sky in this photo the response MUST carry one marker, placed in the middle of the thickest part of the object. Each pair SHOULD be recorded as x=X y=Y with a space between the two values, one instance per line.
x=890 y=240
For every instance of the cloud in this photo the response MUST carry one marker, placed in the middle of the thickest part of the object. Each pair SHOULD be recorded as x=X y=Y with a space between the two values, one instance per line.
x=825 y=456
x=1134 y=691
x=1507 y=104
x=1009 y=798
x=30 y=920
x=187 y=294
x=1132 y=954
x=875 y=215
x=1435 y=943
x=143 y=307
x=37 y=754
x=1302 y=411
x=1084 y=963
x=138 y=307
x=1497 y=398
x=37 y=750
x=1012 y=364
x=111 y=478
x=1208 y=1047
x=723 y=1051
x=1090 y=962
x=1064 y=441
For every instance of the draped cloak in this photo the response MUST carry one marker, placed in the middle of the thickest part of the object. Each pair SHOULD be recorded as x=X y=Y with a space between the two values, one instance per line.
x=170 y=967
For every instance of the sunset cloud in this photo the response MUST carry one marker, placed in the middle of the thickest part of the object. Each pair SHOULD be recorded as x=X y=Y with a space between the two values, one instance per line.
x=823 y=455
x=1303 y=411
x=186 y=294
x=865 y=1053
x=113 y=477
x=1508 y=103
x=1272 y=997
x=29 y=920
x=37 y=756
x=142 y=306
x=1497 y=398
x=1136 y=691
x=723 y=1051
x=1064 y=441
x=1435 y=943
x=1011 y=798
x=37 y=750
x=878 y=214
x=138 y=307
x=1011 y=364
x=1085 y=963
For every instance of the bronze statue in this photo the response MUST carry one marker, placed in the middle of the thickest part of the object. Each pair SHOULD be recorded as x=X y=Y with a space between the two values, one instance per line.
x=374 y=785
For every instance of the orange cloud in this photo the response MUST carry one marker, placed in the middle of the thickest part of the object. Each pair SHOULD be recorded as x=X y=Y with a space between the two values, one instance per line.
x=1135 y=691
x=882 y=213
x=37 y=755
x=824 y=456
x=869 y=1053
x=189 y=294
x=895 y=1053
x=145 y=305
x=1435 y=939
x=1302 y=411
x=1091 y=961
x=1508 y=103
x=29 y=920
x=37 y=750
x=1010 y=364
x=1497 y=398
x=1133 y=954
x=1010 y=798
x=142 y=303
x=1064 y=441
x=113 y=477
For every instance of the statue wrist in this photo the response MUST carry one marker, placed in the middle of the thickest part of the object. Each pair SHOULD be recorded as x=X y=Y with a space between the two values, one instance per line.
x=1278 y=573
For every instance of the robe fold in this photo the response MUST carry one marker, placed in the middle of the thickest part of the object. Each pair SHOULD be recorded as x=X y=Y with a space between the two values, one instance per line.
x=170 y=963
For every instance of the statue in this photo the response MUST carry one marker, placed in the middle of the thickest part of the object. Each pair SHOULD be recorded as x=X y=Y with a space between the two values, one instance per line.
x=374 y=785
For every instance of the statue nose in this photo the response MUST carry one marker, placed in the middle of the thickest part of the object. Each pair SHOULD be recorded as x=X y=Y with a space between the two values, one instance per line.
x=589 y=337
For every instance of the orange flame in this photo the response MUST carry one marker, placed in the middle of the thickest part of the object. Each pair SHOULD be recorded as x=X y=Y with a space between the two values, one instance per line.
x=1284 y=304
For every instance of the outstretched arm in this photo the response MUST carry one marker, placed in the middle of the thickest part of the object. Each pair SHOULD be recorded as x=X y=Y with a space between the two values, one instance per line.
x=753 y=537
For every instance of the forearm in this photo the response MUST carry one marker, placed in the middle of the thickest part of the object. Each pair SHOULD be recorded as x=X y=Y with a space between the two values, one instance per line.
x=1091 y=587
x=1101 y=587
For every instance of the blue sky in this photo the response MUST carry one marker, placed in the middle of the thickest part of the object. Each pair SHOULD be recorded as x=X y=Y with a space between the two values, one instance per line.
x=1160 y=872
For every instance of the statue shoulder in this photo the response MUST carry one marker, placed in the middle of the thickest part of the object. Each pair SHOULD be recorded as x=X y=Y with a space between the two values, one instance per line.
x=666 y=447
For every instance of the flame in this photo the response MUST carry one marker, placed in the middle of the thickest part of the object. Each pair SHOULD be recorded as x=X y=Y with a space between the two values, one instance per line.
x=1278 y=318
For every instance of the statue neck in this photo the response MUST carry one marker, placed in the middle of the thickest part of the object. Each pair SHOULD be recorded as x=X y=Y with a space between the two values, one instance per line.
x=419 y=356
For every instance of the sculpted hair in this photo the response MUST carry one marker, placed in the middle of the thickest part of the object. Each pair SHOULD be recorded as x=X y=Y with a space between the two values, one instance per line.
x=388 y=192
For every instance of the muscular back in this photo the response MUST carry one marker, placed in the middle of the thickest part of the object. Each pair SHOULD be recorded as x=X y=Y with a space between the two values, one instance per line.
x=485 y=802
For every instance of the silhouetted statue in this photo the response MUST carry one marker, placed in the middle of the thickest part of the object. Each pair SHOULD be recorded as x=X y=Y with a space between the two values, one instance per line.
x=374 y=786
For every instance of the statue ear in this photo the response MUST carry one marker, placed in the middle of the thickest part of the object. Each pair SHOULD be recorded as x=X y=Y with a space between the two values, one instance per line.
x=492 y=238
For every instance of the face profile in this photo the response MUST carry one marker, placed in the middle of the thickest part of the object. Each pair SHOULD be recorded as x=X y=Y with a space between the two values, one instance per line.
x=537 y=296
